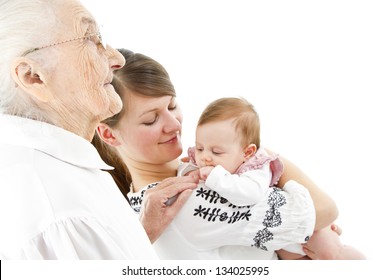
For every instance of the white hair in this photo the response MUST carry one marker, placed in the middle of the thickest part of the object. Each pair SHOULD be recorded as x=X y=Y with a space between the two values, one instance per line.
x=24 y=24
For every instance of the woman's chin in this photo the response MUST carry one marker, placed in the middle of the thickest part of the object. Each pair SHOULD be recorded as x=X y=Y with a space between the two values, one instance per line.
x=174 y=153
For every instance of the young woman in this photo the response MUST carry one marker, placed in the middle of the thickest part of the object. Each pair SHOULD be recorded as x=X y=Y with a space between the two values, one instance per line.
x=144 y=141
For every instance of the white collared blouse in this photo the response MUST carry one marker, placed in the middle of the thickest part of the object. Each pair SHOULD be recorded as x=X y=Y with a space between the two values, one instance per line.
x=55 y=200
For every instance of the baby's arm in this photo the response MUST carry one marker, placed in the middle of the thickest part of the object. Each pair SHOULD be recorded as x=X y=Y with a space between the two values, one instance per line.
x=241 y=190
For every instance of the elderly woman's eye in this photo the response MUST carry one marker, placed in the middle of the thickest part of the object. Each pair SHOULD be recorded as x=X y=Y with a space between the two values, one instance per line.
x=96 y=39
x=99 y=41
x=87 y=37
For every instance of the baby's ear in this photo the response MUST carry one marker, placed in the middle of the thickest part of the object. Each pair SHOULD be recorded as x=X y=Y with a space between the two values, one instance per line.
x=31 y=78
x=107 y=135
x=250 y=150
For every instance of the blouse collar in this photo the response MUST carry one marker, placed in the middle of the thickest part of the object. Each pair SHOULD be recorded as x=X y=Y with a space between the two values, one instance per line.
x=50 y=139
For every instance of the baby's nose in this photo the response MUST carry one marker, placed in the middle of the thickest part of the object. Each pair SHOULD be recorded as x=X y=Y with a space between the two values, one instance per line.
x=207 y=159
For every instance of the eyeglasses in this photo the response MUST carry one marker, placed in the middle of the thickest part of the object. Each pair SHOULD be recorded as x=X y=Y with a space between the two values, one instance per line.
x=95 y=37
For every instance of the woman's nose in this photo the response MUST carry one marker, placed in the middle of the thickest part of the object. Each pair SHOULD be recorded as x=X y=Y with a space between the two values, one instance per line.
x=173 y=124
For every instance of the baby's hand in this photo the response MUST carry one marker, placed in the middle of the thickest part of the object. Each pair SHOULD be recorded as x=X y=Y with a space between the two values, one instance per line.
x=194 y=172
x=204 y=172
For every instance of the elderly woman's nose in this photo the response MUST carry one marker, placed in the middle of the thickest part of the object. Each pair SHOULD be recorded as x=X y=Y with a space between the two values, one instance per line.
x=115 y=58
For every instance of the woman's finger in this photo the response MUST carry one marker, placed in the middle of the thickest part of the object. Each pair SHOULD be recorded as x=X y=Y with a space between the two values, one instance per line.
x=167 y=191
x=180 y=200
x=177 y=188
x=336 y=229
x=309 y=253
x=167 y=183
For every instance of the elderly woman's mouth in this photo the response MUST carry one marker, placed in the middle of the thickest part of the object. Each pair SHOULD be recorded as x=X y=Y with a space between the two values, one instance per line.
x=108 y=85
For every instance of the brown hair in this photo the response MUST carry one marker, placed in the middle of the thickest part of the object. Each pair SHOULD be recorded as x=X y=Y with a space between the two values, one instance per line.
x=140 y=75
x=246 y=119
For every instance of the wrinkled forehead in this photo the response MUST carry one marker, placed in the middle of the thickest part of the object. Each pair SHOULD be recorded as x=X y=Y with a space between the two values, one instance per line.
x=74 y=18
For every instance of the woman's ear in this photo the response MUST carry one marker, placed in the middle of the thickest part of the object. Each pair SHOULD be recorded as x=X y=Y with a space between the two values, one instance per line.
x=249 y=151
x=30 y=77
x=106 y=134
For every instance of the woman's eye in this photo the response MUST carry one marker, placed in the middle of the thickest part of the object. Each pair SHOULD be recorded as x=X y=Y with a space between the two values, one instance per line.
x=151 y=122
x=172 y=105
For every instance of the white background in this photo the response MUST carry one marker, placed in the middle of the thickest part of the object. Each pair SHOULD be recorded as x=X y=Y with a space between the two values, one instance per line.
x=317 y=72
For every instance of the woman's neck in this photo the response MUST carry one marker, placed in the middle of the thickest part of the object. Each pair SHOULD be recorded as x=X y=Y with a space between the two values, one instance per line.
x=143 y=174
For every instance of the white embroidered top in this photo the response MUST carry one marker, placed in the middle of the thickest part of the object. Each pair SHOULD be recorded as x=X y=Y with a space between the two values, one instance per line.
x=208 y=223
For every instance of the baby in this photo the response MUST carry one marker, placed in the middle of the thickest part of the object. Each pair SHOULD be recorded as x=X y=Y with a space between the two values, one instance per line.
x=229 y=158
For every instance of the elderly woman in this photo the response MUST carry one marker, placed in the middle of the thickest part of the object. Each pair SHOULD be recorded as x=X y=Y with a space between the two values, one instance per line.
x=55 y=202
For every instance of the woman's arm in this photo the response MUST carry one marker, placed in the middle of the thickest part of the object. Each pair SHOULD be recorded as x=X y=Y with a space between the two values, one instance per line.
x=326 y=209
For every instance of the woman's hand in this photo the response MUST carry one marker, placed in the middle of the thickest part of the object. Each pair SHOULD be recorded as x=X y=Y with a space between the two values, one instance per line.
x=156 y=214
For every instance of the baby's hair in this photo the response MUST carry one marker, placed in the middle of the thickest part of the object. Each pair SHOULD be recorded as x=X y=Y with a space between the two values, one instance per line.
x=245 y=117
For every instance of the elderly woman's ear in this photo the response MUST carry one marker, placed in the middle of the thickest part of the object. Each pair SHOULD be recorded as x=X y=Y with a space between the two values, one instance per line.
x=30 y=77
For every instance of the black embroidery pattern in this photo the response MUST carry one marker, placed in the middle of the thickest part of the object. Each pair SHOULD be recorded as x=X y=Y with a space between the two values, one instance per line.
x=213 y=197
x=272 y=219
x=216 y=214
x=135 y=200
x=262 y=237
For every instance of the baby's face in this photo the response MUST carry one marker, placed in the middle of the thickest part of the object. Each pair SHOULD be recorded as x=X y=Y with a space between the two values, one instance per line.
x=218 y=143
